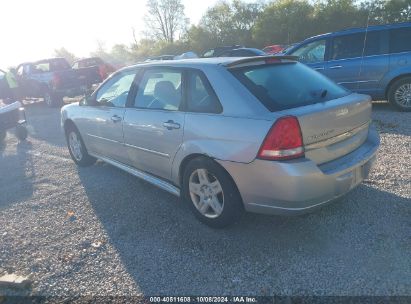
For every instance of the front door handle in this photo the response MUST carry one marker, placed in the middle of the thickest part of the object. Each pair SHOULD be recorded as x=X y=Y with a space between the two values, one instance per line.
x=336 y=67
x=115 y=118
x=170 y=125
x=319 y=68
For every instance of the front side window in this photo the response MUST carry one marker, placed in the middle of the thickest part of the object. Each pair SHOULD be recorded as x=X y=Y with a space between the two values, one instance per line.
x=160 y=89
x=400 y=40
x=201 y=97
x=114 y=93
x=349 y=46
x=311 y=52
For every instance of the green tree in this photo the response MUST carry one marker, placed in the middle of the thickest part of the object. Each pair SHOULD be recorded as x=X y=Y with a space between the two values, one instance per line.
x=387 y=11
x=284 y=22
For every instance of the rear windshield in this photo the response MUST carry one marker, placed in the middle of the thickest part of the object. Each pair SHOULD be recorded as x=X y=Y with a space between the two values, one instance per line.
x=288 y=85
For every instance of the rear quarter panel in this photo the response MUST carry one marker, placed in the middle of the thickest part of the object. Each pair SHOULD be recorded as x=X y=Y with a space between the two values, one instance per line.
x=220 y=137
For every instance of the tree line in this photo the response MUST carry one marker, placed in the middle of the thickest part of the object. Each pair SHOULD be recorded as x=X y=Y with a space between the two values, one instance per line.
x=255 y=24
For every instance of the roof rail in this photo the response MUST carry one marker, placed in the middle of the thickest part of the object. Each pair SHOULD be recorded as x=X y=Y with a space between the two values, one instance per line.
x=257 y=59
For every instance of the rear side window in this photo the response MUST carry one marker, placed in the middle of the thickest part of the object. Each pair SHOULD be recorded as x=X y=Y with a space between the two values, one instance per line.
x=288 y=85
x=400 y=40
x=201 y=97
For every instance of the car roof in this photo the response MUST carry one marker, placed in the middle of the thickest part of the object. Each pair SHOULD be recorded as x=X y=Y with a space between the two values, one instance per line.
x=360 y=30
x=202 y=62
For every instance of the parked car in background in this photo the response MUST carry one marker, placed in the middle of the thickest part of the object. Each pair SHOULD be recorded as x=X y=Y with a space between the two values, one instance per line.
x=104 y=68
x=374 y=60
x=4 y=88
x=53 y=79
x=274 y=49
x=216 y=52
x=160 y=58
x=243 y=52
x=263 y=134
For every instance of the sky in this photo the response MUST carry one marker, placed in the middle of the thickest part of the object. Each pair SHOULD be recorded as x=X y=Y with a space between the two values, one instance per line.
x=32 y=29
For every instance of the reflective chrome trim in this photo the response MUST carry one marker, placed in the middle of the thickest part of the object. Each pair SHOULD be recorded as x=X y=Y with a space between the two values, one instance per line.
x=338 y=138
x=103 y=138
x=143 y=175
x=148 y=150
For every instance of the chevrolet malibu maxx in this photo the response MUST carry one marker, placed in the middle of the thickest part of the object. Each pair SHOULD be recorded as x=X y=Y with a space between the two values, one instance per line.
x=262 y=134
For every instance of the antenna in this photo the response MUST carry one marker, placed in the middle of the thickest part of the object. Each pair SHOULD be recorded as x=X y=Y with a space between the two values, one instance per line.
x=363 y=49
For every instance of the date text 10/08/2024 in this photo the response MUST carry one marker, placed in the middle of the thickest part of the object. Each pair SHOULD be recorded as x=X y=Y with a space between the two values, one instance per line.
x=238 y=299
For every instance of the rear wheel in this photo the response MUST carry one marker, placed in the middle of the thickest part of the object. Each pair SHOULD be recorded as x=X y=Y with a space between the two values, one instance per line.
x=211 y=193
x=77 y=149
x=399 y=94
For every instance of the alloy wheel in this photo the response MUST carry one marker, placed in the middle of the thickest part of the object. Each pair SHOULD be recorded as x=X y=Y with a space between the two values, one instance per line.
x=75 y=146
x=206 y=193
x=403 y=95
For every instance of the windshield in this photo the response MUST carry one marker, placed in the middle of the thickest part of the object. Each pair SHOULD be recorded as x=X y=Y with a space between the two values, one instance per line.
x=288 y=85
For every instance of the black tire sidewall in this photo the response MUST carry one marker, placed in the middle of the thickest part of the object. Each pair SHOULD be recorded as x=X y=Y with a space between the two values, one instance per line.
x=233 y=207
x=391 y=93
x=21 y=132
x=86 y=160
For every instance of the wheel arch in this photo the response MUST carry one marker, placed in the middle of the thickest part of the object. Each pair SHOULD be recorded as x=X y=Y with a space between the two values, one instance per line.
x=190 y=157
x=392 y=81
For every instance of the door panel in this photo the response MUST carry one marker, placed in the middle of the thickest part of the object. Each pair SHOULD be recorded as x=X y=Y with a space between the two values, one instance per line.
x=152 y=138
x=102 y=131
x=153 y=126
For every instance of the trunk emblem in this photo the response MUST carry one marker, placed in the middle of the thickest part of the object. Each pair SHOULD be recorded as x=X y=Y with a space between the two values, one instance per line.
x=341 y=112
x=318 y=136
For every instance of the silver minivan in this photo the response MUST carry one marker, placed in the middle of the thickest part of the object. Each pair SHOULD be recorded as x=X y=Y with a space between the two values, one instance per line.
x=261 y=134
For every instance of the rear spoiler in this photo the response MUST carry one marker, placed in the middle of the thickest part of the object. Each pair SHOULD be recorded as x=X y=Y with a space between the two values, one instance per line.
x=259 y=60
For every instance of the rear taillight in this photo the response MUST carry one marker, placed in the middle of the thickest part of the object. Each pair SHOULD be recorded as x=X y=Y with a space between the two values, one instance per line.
x=284 y=141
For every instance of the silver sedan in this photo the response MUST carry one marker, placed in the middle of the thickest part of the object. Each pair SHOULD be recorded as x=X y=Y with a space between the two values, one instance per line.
x=262 y=134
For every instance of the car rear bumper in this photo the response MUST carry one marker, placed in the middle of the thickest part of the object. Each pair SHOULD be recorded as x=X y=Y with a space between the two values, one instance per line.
x=298 y=186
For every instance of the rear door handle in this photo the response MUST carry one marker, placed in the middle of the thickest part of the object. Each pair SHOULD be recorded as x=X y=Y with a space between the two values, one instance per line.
x=336 y=67
x=115 y=118
x=319 y=68
x=170 y=125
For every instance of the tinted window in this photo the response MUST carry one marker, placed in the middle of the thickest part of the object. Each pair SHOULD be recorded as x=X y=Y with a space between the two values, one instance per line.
x=311 y=52
x=114 y=92
x=374 y=44
x=160 y=89
x=201 y=97
x=349 y=46
x=288 y=85
x=400 y=40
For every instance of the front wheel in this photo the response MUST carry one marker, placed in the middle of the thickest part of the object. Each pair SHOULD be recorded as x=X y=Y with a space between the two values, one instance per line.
x=399 y=94
x=77 y=149
x=211 y=193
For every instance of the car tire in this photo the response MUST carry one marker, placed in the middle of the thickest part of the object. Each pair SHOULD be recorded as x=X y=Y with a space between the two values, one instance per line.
x=211 y=193
x=77 y=149
x=399 y=94
x=21 y=132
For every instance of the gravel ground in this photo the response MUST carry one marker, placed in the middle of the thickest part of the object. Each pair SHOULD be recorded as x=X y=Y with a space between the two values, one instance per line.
x=100 y=231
